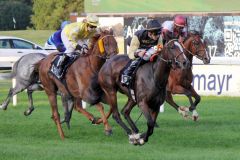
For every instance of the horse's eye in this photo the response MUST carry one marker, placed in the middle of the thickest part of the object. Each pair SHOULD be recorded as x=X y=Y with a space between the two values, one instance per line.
x=196 y=42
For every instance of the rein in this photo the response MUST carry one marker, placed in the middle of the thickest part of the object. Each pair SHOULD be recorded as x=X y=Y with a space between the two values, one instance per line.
x=175 y=59
x=101 y=50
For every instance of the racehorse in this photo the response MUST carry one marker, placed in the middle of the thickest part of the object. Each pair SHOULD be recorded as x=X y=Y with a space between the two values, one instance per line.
x=80 y=79
x=26 y=78
x=149 y=87
x=179 y=81
x=25 y=72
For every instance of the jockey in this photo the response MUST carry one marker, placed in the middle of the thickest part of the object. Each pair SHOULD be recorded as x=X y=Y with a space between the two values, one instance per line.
x=75 y=36
x=142 y=47
x=176 y=29
x=56 y=40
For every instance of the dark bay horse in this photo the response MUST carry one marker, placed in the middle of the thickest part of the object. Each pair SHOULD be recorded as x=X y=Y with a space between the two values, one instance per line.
x=149 y=87
x=26 y=78
x=179 y=81
x=81 y=78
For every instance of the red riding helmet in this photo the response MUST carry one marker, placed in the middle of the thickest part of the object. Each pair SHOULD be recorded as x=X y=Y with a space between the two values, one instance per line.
x=180 y=21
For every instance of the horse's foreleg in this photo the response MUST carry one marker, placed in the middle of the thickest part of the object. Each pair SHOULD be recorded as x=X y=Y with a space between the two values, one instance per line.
x=179 y=90
x=169 y=100
x=150 y=121
x=79 y=108
x=108 y=128
x=111 y=97
x=194 y=104
x=196 y=97
x=126 y=113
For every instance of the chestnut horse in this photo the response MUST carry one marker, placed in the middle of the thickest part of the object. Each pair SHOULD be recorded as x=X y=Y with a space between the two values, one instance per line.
x=179 y=81
x=81 y=78
x=149 y=87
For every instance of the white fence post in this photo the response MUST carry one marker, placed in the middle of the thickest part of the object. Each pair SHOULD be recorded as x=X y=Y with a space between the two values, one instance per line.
x=161 y=108
x=13 y=85
x=11 y=60
x=84 y=104
x=15 y=96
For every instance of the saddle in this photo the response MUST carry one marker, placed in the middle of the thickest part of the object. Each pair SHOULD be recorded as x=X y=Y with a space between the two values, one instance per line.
x=54 y=69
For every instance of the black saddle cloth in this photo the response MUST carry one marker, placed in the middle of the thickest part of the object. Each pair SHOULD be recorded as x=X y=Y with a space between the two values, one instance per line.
x=67 y=63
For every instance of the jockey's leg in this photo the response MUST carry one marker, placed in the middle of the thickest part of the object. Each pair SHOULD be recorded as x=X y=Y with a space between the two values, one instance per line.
x=60 y=65
x=128 y=72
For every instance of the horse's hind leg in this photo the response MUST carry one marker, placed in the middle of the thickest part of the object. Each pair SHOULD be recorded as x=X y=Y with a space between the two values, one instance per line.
x=67 y=102
x=108 y=128
x=30 y=91
x=126 y=113
x=11 y=93
x=55 y=114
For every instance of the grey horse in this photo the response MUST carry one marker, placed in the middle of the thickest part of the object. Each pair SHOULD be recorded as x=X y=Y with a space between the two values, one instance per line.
x=25 y=72
x=26 y=78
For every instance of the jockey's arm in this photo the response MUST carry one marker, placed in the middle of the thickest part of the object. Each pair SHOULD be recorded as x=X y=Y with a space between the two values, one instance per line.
x=134 y=45
x=74 y=34
x=166 y=35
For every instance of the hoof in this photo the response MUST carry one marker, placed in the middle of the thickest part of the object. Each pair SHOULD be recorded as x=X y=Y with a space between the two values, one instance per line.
x=108 y=132
x=184 y=112
x=141 y=141
x=3 y=107
x=134 y=139
x=156 y=125
x=195 y=118
x=95 y=120
x=195 y=115
x=28 y=112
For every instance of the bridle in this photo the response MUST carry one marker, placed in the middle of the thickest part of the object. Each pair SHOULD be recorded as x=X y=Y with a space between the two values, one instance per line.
x=102 y=50
x=197 y=51
x=176 y=57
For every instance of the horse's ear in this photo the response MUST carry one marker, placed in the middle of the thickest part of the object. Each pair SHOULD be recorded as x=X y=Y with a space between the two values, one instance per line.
x=111 y=31
x=96 y=35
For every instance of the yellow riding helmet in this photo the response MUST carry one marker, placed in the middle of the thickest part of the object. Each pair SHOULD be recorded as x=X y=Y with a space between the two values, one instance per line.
x=92 y=20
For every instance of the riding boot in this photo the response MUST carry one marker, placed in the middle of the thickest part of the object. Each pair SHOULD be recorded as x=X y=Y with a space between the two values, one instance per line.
x=128 y=72
x=60 y=65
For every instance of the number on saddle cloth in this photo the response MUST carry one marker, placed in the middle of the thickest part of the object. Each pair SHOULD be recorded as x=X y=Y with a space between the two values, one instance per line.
x=55 y=68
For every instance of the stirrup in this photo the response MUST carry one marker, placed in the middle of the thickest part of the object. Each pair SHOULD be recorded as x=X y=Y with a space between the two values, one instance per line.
x=125 y=80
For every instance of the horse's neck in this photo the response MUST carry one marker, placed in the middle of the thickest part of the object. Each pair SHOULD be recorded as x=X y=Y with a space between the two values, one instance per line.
x=161 y=72
x=95 y=61
x=187 y=53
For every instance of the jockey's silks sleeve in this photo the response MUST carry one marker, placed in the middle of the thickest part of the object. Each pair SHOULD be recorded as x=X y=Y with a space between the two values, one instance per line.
x=77 y=31
x=134 y=45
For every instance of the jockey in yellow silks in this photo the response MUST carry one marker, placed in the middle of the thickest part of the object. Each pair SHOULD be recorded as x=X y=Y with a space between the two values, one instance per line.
x=75 y=36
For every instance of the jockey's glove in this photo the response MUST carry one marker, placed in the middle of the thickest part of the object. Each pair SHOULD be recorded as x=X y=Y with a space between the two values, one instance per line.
x=83 y=49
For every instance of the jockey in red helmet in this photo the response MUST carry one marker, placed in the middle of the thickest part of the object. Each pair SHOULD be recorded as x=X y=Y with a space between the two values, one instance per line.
x=176 y=29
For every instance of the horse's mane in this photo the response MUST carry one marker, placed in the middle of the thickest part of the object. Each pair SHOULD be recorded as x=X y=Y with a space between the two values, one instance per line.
x=193 y=32
x=96 y=36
